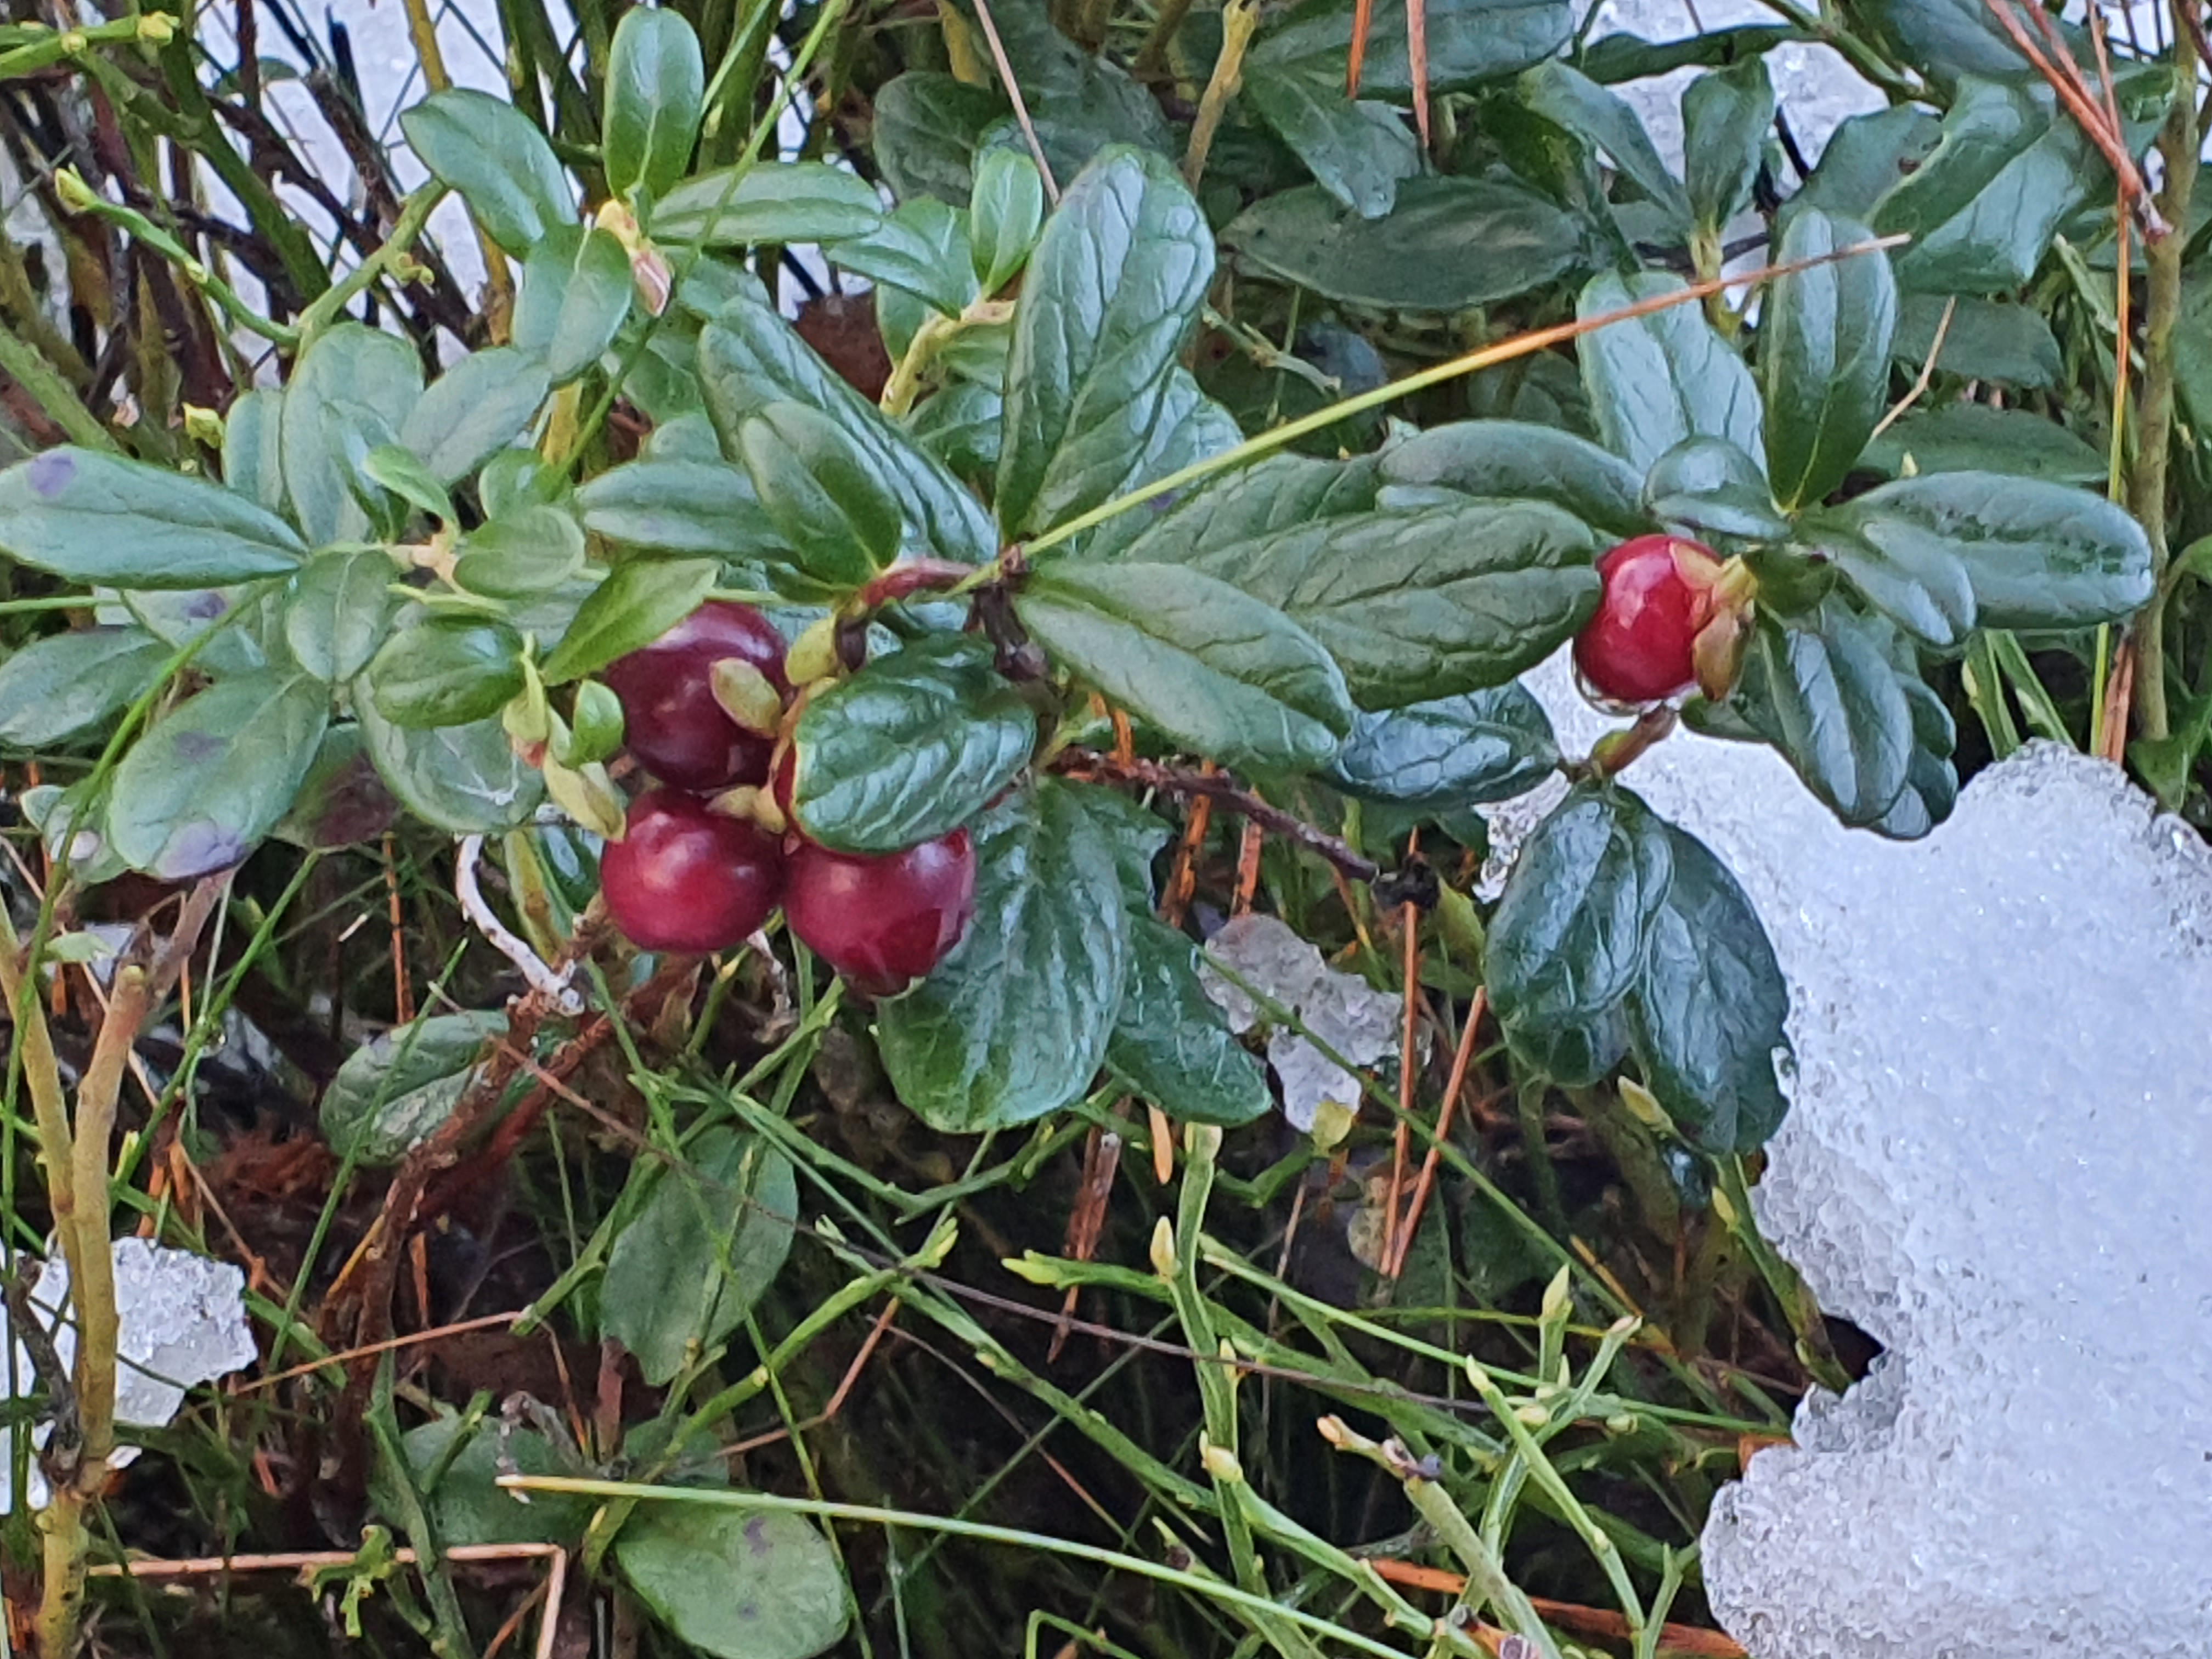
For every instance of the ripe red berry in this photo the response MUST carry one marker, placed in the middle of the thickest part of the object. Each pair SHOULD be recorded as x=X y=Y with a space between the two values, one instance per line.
x=882 y=922
x=1638 y=648
x=670 y=720
x=686 y=879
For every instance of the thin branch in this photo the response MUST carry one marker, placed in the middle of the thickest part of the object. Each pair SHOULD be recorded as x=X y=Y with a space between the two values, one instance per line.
x=1187 y=784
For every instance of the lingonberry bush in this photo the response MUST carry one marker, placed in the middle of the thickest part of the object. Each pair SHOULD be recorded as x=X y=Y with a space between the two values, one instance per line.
x=699 y=627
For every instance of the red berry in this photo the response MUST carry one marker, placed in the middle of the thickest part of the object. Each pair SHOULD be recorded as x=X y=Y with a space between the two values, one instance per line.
x=686 y=879
x=671 y=721
x=883 y=921
x=1638 y=648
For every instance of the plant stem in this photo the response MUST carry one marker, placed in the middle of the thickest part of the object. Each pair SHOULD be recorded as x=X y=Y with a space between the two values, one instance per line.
x=414 y=214
x=499 y=282
x=2177 y=144
x=21 y=361
x=1092 y=766
x=1239 y=20
x=80 y=198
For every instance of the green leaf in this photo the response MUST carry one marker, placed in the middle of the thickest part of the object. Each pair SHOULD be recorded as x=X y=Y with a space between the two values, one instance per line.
x=474 y=410
x=446 y=670
x=656 y=91
x=1171 y=1043
x=488 y=151
x=1469 y=42
x=55 y=687
x=395 y=1091
x=1113 y=290
x=1221 y=673
x=1015 y=1023
x=575 y=293
x=398 y=471
x=1656 y=379
x=1867 y=154
x=1988 y=339
x=1450 y=244
x=1415 y=606
x=198 y=791
x=1824 y=358
x=1950 y=39
x=252 y=455
x=1615 y=58
x=734 y=1582
x=1570 y=99
x=1708 y=487
x=1515 y=461
x=341 y=801
x=1726 y=116
x=1827 y=697
x=960 y=427
x=1190 y=427
x=1708 y=1014
x=817 y=487
x=1081 y=102
x=921 y=248
x=464 y=780
x=691 y=506
x=908 y=749
x=1572 y=932
x=1278 y=493
x=1450 y=753
x=1916 y=580
x=1975 y=438
x=339 y=610
x=1982 y=209
x=766 y=202
x=516 y=477
x=351 y=392
x=640 y=600
x=1004 y=217
x=2039 y=555
x=925 y=132
x=467 y=1506
x=1360 y=152
x=749 y=358
x=92 y=517
x=528 y=550
x=709 y=1242
x=224 y=622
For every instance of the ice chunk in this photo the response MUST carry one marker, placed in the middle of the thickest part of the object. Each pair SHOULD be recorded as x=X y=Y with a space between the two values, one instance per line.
x=1997 y=1163
x=1342 y=1009
x=182 y=1322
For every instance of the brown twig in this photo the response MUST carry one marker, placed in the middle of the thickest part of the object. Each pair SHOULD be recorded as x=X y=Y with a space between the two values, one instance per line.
x=1395 y=1264
x=1186 y=784
x=1567 y=1615
x=1409 y=924
x=2064 y=77
x=1014 y=96
x=1919 y=387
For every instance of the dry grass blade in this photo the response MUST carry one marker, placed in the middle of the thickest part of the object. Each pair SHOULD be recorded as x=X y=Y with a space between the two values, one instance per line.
x=1014 y=96
x=2057 y=68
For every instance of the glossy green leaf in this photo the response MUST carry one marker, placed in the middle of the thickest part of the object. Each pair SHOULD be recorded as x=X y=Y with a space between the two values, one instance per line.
x=1709 y=1011
x=1615 y=58
x=575 y=293
x=488 y=151
x=200 y=789
x=474 y=410
x=840 y=523
x=1708 y=488
x=516 y=478
x=526 y=551
x=399 y=1088
x=1080 y=102
x=1823 y=357
x=640 y=600
x=92 y=517
x=1015 y=1023
x=466 y=1504
x=1982 y=209
x=339 y=610
x=749 y=358
x=702 y=508
x=1568 y=98
x=1866 y=156
x=225 y=623
x=446 y=670
x=1004 y=216
x=1415 y=606
x=1827 y=697
x=1189 y=428
x=2039 y=555
x=399 y=471
x=1171 y=1043
x=1975 y=438
x=1113 y=290
x=921 y=248
x=352 y=391
x=960 y=427
x=1726 y=116
x=1279 y=493
x=1655 y=380
x=1998 y=340
x=1450 y=244
x=1571 y=932
x=1916 y=580
x=464 y=780
x=1450 y=753
x=766 y=202
x=1949 y=38
x=1358 y=151
x=733 y=1583
x=252 y=451
x=927 y=127
x=1515 y=460
x=705 y=1245
x=1470 y=42
x=655 y=92
x=1219 y=672
x=55 y=687
x=908 y=749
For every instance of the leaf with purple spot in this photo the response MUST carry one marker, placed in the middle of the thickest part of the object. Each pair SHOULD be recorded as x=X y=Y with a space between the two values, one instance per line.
x=733 y=1582
x=92 y=517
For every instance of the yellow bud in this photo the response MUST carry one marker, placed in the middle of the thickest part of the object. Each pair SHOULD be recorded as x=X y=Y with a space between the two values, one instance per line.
x=1163 y=1249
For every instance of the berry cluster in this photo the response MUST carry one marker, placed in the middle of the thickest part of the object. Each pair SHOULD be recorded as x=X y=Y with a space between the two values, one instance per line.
x=705 y=711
